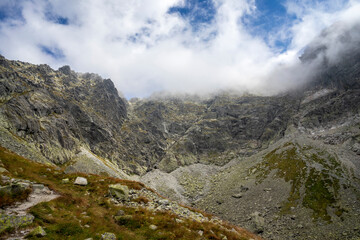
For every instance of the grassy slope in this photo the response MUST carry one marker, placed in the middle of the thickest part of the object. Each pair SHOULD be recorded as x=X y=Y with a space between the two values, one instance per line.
x=66 y=216
x=314 y=176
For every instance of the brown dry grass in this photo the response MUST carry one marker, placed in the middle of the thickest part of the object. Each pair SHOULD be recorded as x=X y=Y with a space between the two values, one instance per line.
x=84 y=211
x=8 y=199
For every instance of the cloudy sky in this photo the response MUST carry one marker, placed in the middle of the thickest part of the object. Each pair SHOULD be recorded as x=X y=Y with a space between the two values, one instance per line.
x=190 y=46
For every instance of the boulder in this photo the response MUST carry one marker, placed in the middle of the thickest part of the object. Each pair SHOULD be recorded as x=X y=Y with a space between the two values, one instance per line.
x=243 y=188
x=120 y=213
x=178 y=220
x=38 y=187
x=220 y=201
x=164 y=202
x=5 y=179
x=258 y=222
x=14 y=221
x=237 y=195
x=38 y=232
x=108 y=236
x=14 y=189
x=65 y=180
x=3 y=170
x=119 y=191
x=81 y=181
x=153 y=227
x=24 y=185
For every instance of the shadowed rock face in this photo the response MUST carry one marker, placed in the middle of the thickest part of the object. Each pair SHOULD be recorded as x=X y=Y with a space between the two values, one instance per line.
x=174 y=132
x=58 y=111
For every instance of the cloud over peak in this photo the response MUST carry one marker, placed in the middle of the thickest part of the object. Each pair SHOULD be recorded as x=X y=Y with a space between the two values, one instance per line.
x=175 y=45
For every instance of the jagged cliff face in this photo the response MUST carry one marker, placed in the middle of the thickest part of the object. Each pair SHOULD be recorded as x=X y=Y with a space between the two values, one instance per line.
x=51 y=116
x=58 y=113
x=284 y=166
x=212 y=131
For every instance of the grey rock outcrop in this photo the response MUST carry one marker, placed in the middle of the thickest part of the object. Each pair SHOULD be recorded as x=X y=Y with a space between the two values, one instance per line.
x=108 y=236
x=119 y=191
x=81 y=181
x=8 y=221
x=15 y=188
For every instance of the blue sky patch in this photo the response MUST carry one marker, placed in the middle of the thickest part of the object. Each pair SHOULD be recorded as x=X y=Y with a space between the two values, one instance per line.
x=265 y=23
x=54 y=52
x=197 y=12
x=11 y=10
x=51 y=17
x=62 y=20
x=269 y=19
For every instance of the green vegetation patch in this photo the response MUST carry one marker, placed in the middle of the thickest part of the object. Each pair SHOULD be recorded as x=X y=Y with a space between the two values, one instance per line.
x=288 y=165
x=321 y=192
x=313 y=176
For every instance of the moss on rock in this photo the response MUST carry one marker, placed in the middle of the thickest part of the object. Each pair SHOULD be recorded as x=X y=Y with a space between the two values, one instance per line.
x=8 y=222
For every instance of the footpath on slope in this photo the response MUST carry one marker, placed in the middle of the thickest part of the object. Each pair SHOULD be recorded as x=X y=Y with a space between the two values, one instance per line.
x=17 y=215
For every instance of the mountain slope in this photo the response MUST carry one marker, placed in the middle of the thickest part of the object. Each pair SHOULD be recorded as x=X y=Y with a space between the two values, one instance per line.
x=285 y=166
x=90 y=210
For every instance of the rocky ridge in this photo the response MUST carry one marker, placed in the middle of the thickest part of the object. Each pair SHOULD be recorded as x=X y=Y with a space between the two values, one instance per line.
x=53 y=116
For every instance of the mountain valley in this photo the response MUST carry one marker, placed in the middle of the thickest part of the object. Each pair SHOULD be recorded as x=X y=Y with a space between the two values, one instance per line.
x=284 y=166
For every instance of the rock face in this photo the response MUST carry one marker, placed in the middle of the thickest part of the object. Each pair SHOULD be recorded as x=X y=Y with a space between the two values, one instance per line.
x=79 y=119
x=49 y=115
x=211 y=131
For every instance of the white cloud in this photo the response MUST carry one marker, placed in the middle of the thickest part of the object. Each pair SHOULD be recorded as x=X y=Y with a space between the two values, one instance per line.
x=143 y=49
